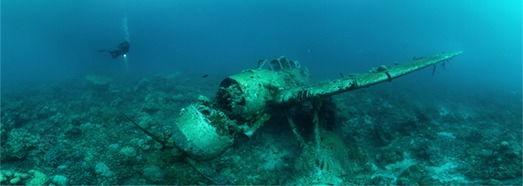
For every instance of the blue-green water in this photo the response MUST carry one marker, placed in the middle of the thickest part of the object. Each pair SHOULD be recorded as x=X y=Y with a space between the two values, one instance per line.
x=61 y=100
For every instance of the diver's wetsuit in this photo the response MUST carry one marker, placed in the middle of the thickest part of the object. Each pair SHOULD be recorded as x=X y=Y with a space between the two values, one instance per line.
x=122 y=49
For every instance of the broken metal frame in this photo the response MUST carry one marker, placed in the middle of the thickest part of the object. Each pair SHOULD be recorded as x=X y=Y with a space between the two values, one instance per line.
x=281 y=63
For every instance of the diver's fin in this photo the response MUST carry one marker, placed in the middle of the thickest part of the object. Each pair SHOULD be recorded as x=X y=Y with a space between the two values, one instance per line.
x=115 y=53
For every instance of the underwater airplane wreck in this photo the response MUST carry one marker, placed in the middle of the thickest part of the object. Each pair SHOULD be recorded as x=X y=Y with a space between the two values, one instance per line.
x=243 y=103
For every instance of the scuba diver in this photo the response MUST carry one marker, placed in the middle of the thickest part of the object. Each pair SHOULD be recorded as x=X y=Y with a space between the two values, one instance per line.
x=122 y=49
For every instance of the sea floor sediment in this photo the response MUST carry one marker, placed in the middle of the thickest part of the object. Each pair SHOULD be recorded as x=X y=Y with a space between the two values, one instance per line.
x=72 y=132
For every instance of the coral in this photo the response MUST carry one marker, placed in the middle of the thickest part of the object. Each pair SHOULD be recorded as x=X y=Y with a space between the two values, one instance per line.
x=53 y=157
x=502 y=162
x=389 y=155
x=128 y=151
x=15 y=181
x=38 y=178
x=103 y=170
x=153 y=173
x=19 y=142
x=59 y=180
x=14 y=178
x=415 y=174
x=397 y=136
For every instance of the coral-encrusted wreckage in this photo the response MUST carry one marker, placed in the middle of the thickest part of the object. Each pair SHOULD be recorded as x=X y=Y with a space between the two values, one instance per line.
x=245 y=101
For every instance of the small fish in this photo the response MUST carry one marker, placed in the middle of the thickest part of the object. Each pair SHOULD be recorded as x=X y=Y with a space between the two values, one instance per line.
x=205 y=75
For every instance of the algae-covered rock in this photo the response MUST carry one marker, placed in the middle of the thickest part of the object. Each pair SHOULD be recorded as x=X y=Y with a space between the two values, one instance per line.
x=153 y=173
x=19 y=143
x=59 y=180
x=102 y=169
x=99 y=82
x=128 y=151
x=2 y=178
x=38 y=178
x=15 y=180
x=12 y=177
